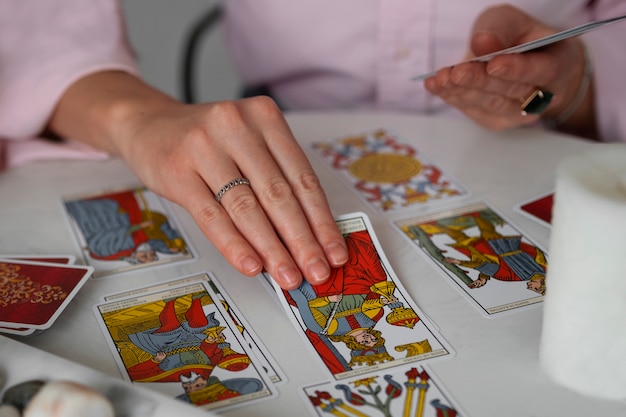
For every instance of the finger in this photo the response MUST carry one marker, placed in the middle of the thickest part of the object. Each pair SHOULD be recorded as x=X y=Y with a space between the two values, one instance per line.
x=490 y=103
x=491 y=110
x=558 y=69
x=503 y=26
x=293 y=199
x=499 y=122
x=474 y=76
x=292 y=161
x=474 y=89
x=244 y=213
x=217 y=226
x=549 y=67
x=529 y=68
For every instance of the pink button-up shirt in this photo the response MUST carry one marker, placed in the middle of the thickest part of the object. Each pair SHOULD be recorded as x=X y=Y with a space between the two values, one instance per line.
x=45 y=46
x=348 y=54
x=361 y=54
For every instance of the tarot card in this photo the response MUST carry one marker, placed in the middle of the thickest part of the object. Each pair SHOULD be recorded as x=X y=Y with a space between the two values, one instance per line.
x=34 y=294
x=182 y=343
x=405 y=391
x=388 y=172
x=246 y=333
x=538 y=209
x=484 y=256
x=53 y=259
x=362 y=320
x=122 y=230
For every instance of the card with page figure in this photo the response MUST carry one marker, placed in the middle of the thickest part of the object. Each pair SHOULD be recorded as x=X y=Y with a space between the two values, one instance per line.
x=182 y=343
x=388 y=172
x=247 y=334
x=34 y=294
x=362 y=320
x=407 y=391
x=495 y=266
x=122 y=230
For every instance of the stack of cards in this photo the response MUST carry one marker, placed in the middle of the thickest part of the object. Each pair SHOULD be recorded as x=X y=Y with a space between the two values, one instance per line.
x=34 y=290
x=186 y=339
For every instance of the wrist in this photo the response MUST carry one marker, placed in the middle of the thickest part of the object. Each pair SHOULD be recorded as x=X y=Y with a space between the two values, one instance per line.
x=577 y=114
x=101 y=108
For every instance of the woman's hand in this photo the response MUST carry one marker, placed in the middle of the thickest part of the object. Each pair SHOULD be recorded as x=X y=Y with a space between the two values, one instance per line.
x=281 y=222
x=492 y=93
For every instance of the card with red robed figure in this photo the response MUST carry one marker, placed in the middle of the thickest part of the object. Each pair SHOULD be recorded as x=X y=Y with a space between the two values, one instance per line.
x=362 y=320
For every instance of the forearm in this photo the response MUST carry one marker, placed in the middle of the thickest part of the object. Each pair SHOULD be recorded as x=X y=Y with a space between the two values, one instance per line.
x=100 y=109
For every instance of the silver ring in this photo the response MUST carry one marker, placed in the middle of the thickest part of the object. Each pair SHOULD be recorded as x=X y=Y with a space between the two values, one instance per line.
x=232 y=184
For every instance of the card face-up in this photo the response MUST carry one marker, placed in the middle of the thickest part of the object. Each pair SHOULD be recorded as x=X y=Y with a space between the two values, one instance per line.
x=123 y=230
x=483 y=255
x=182 y=342
x=362 y=320
x=34 y=294
x=406 y=391
x=388 y=172
x=274 y=372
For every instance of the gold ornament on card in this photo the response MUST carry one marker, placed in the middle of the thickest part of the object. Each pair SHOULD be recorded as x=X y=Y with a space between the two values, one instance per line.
x=399 y=315
x=385 y=168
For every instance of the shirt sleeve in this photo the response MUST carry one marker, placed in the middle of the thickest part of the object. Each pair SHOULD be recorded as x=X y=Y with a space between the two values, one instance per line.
x=45 y=46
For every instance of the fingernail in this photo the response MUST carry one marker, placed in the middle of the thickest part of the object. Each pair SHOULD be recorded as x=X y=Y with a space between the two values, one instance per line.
x=288 y=277
x=250 y=266
x=318 y=271
x=337 y=254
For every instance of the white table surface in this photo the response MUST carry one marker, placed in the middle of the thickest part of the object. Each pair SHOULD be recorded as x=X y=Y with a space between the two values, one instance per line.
x=495 y=371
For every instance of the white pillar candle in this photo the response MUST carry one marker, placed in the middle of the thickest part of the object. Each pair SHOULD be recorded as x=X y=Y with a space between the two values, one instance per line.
x=583 y=341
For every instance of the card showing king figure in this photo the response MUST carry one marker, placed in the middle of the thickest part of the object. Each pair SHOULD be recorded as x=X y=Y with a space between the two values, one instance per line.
x=122 y=230
x=362 y=319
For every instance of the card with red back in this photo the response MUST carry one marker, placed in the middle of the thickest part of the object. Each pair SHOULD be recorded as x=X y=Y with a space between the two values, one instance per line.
x=54 y=259
x=33 y=294
x=538 y=209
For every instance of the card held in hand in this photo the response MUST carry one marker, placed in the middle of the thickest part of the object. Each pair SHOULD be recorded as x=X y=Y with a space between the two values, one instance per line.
x=362 y=319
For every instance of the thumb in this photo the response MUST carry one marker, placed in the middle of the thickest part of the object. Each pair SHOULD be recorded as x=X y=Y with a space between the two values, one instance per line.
x=501 y=27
